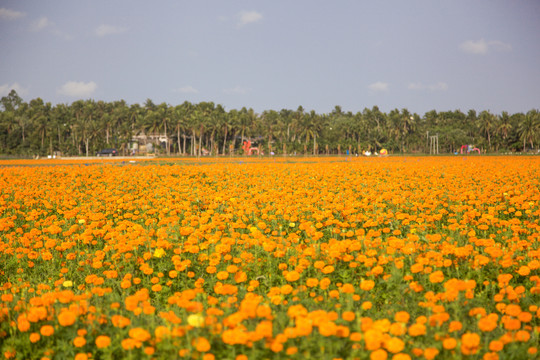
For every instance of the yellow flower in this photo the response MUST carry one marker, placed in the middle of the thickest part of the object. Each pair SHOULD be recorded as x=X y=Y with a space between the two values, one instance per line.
x=292 y=224
x=67 y=283
x=195 y=320
x=81 y=221
x=159 y=253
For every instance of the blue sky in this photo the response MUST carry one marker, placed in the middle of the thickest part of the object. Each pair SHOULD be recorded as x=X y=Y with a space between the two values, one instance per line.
x=414 y=54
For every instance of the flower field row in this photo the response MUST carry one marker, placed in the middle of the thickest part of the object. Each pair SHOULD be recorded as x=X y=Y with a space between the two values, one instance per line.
x=392 y=258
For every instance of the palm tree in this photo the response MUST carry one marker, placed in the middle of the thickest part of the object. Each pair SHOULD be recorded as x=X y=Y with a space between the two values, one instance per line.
x=78 y=110
x=164 y=114
x=529 y=128
x=297 y=121
x=119 y=115
x=287 y=121
x=180 y=117
x=486 y=124
x=88 y=127
x=407 y=126
x=270 y=121
x=377 y=124
x=504 y=126
x=11 y=104
x=247 y=118
x=61 y=117
x=395 y=125
x=39 y=118
x=226 y=125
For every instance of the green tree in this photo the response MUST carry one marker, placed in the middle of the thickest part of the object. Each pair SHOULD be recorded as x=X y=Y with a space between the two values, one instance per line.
x=529 y=128
x=487 y=124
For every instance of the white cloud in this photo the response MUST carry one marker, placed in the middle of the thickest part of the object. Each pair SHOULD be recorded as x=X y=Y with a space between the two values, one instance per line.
x=236 y=90
x=482 y=47
x=104 y=30
x=41 y=24
x=248 y=17
x=187 y=90
x=7 y=14
x=5 y=89
x=78 y=89
x=440 y=86
x=378 y=86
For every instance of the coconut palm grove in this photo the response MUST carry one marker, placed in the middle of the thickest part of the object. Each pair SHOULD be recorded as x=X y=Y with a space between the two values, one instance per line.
x=84 y=127
x=206 y=252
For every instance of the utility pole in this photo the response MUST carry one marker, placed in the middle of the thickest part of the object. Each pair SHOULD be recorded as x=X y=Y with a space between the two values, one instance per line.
x=434 y=144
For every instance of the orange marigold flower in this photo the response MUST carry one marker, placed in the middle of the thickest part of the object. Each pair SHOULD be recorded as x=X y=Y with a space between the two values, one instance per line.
x=67 y=318
x=449 y=343
x=513 y=310
x=430 y=353
x=496 y=345
x=348 y=316
x=523 y=336
x=23 y=324
x=524 y=271
x=402 y=316
x=79 y=341
x=328 y=269
x=120 y=321
x=129 y=344
x=367 y=285
x=373 y=339
x=377 y=270
x=46 y=330
x=417 y=329
x=34 y=337
x=401 y=356
x=201 y=344
x=436 y=277
x=81 y=356
x=455 y=326
x=103 y=341
x=292 y=276
x=222 y=275
x=394 y=345
x=470 y=343
x=488 y=323
x=378 y=354
x=139 y=334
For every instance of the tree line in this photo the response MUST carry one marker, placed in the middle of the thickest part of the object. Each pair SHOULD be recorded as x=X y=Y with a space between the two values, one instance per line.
x=86 y=126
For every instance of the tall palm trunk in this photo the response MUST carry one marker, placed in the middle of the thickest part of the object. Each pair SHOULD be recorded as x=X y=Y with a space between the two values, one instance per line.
x=184 y=144
x=224 y=141
x=200 y=141
x=193 y=140
x=178 y=138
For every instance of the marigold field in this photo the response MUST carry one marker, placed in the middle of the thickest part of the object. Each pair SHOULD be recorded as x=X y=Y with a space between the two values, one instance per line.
x=359 y=258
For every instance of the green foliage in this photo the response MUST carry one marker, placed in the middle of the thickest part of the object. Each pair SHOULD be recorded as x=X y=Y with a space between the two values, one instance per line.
x=86 y=126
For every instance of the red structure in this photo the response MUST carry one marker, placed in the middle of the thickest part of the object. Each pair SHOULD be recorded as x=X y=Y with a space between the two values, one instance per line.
x=469 y=149
x=248 y=150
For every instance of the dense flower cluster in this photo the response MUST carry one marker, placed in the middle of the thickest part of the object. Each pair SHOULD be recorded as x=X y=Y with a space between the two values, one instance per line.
x=393 y=258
